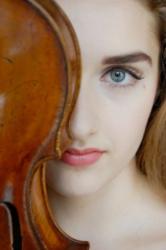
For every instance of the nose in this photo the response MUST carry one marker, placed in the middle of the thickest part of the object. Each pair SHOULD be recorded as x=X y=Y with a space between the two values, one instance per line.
x=82 y=124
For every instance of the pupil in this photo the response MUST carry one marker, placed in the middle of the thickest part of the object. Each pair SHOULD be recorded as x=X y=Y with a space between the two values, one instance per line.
x=117 y=76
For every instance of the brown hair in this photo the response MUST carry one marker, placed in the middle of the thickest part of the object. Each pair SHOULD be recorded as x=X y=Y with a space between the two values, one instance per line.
x=151 y=155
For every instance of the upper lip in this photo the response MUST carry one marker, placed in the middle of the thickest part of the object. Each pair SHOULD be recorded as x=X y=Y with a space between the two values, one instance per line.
x=83 y=151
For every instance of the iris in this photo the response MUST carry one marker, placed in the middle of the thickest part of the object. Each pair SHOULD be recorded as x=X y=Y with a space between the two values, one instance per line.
x=117 y=75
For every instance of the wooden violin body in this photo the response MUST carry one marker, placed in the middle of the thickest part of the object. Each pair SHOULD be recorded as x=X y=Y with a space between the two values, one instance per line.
x=39 y=82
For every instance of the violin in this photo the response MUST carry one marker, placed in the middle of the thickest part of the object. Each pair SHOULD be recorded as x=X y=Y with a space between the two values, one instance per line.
x=40 y=71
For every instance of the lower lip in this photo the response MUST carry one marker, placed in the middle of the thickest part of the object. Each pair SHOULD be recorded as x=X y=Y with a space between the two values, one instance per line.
x=81 y=160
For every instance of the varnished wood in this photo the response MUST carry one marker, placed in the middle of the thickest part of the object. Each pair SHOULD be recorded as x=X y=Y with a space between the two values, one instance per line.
x=40 y=70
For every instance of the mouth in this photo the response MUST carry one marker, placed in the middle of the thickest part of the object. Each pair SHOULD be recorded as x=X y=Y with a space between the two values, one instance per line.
x=81 y=158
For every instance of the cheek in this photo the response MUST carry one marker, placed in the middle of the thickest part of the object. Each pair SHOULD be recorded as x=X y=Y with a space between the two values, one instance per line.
x=125 y=122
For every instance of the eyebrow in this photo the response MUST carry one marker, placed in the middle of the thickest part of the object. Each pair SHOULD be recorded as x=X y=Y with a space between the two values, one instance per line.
x=128 y=58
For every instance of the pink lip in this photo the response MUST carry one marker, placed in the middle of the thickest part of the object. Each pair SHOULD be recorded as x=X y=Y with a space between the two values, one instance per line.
x=81 y=158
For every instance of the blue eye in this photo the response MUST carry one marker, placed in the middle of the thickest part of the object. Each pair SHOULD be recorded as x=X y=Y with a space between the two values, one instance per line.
x=117 y=75
x=120 y=77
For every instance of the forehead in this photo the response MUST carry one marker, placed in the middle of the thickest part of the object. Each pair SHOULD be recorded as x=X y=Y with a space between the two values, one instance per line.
x=111 y=26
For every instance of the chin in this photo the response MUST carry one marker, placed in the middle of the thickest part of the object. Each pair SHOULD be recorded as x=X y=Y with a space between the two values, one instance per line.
x=68 y=182
x=73 y=191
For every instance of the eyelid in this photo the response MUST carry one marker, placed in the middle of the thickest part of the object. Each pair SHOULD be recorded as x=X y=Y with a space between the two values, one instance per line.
x=131 y=70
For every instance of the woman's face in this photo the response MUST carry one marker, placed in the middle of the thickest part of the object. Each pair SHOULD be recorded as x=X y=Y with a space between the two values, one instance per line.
x=120 y=58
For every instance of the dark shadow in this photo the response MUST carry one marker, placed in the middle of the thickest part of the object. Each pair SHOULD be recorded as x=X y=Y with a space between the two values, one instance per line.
x=16 y=231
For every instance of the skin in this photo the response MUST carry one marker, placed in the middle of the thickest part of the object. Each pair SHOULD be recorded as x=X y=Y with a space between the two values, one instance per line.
x=111 y=116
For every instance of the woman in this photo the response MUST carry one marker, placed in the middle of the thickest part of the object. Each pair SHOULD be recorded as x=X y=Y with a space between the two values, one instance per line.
x=108 y=188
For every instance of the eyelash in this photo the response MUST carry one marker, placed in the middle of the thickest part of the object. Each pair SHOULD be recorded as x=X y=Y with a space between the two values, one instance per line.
x=130 y=70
